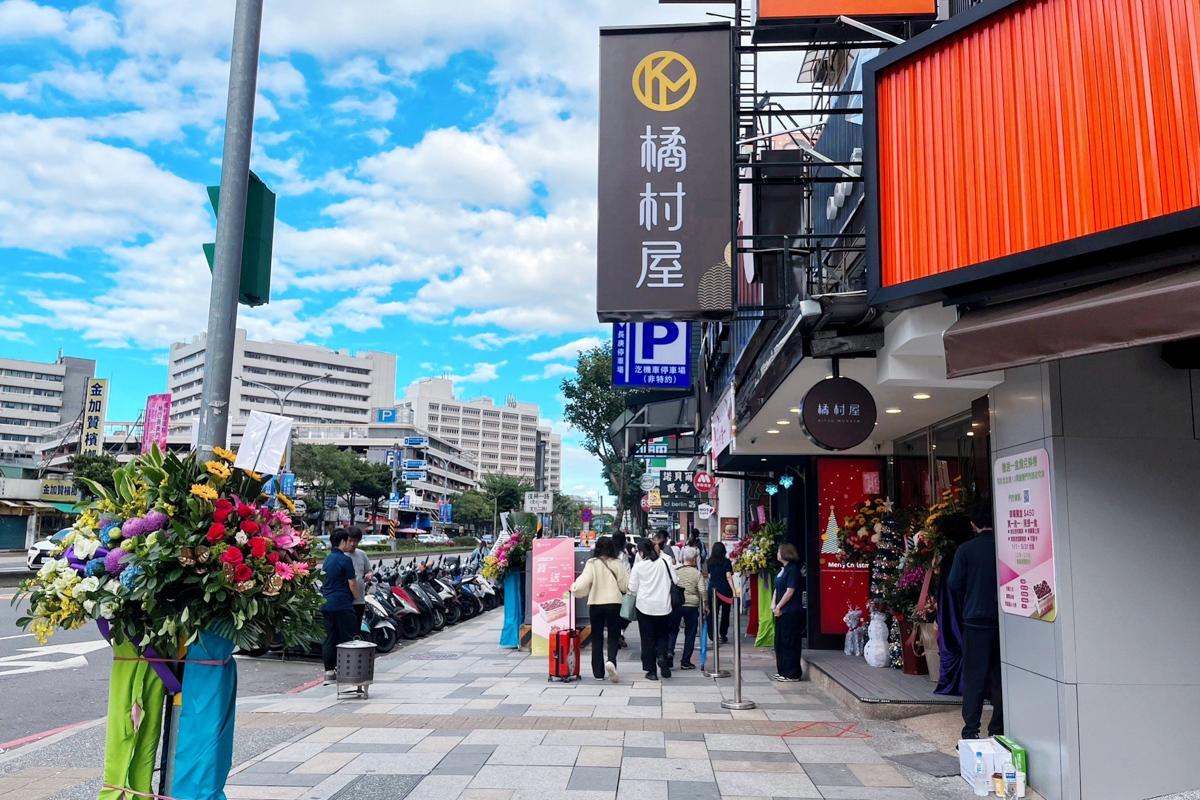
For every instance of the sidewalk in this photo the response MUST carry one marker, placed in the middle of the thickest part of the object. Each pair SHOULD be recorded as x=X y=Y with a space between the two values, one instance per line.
x=455 y=717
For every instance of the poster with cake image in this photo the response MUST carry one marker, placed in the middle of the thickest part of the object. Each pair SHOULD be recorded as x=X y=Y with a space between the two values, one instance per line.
x=1024 y=535
x=553 y=574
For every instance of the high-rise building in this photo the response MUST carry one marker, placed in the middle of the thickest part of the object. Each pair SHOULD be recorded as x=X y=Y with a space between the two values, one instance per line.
x=320 y=385
x=504 y=437
x=35 y=397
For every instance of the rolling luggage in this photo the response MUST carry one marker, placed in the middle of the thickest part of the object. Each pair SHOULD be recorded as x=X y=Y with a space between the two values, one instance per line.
x=564 y=655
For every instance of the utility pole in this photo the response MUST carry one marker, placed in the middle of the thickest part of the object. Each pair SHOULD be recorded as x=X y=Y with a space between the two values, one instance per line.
x=395 y=485
x=231 y=224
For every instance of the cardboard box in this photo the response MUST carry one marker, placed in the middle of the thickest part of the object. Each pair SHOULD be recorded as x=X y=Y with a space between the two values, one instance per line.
x=1019 y=758
x=993 y=759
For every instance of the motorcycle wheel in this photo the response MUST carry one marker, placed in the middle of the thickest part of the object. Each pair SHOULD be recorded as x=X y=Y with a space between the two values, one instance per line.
x=468 y=608
x=489 y=602
x=426 y=624
x=439 y=619
x=385 y=639
x=410 y=626
x=454 y=613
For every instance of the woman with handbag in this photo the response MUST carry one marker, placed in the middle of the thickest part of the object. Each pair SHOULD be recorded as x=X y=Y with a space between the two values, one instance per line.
x=652 y=583
x=603 y=582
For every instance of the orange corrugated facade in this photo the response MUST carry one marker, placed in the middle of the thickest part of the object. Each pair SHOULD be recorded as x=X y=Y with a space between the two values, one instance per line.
x=1047 y=121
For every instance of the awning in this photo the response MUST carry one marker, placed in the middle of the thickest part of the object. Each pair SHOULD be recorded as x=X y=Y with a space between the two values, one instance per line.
x=29 y=506
x=1157 y=307
x=66 y=508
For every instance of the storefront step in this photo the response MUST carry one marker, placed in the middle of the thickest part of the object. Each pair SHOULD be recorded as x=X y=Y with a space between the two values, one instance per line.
x=874 y=693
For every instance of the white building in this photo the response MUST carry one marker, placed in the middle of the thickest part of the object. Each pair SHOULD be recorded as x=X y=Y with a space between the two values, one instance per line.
x=320 y=385
x=36 y=397
x=504 y=438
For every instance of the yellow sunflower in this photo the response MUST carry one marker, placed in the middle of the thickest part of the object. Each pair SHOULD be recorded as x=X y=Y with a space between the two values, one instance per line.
x=217 y=468
x=286 y=501
x=221 y=452
x=254 y=475
x=204 y=492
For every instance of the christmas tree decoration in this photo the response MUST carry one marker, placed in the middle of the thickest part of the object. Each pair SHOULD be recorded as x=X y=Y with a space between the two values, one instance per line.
x=895 y=652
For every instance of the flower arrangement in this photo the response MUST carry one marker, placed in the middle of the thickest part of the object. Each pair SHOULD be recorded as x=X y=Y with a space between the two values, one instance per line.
x=947 y=524
x=511 y=549
x=760 y=548
x=875 y=535
x=179 y=547
x=902 y=593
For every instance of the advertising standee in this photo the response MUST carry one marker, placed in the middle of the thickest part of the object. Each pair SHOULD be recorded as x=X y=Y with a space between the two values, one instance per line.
x=1024 y=535
x=553 y=574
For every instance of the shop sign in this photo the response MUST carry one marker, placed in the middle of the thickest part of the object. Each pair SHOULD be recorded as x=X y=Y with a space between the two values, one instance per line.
x=655 y=497
x=95 y=405
x=652 y=354
x=665 y=192
x=648 y=481
x=55 y=490
x=553 y=573
x=678 y=490
x=723 y=426
x=729 y=529
x=838 y=414
x=702 y=481
x=645 y=502
x=704 y=510
x=1024 y=535
x=156 y=422
x=802 y=9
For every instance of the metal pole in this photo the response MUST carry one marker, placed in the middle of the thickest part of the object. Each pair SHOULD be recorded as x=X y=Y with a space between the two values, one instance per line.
x=737 y=703
x=231 y=224
x=395 y=464
x=716 y=671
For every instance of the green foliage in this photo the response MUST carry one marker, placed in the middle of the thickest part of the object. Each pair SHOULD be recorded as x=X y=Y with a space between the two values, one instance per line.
x=466 y=541
x=566 y=513
x=326 y=468
x=507 y=491
x=93 y=469
x=473 y=508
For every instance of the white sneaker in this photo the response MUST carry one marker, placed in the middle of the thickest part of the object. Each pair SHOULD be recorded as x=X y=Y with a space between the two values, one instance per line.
x=611 y=669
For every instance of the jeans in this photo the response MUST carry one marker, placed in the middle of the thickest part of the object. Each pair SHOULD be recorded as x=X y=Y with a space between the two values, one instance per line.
x=717 y=608
x=690 y=617
x=339 y=627
x=606 y=622
x=654 y=633
x=981 y=676
x=789 y=633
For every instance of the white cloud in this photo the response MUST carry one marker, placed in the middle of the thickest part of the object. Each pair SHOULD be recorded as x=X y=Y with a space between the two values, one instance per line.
x=550 y=371
x=480 y=373
x=570 y=350
x=84 y=29
x=382 y=107
x=61 y=277
x=494 y=341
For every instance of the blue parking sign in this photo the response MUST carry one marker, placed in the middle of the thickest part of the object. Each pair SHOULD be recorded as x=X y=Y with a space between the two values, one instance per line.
x=652 y=354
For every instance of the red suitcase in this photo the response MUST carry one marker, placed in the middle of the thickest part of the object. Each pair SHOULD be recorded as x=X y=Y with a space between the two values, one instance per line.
x=564 y=655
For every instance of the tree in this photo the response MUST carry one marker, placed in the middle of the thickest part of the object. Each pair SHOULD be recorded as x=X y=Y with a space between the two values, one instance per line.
x=506 y=491
x=325 y=468
x=374 y=482
x=593 y=404
x=473 y=508
x=98 y=468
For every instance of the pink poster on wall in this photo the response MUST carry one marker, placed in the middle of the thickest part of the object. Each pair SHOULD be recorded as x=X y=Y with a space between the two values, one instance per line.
x=1024 y=536
x=156 y=421
x=553 y=574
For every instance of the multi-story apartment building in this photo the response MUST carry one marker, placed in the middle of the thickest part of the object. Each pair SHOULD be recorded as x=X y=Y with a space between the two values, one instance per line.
x=34 y=398
x=503 y=437
x=320 y=385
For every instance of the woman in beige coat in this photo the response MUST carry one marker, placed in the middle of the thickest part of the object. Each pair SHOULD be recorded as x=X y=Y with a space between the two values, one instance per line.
x=604 y=581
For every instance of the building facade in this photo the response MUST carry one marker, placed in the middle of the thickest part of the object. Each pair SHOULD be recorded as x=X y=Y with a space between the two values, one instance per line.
x=320 y=385
x=36 y=397
x=504 y=438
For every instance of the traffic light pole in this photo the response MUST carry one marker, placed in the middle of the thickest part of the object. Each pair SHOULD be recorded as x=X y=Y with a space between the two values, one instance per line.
x=231 y=223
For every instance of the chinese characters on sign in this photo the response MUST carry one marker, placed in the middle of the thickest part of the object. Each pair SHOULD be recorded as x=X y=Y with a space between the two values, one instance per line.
x=553 y=573
x=55 y=490
x=837 y=414
x=652 y=354
x=678 y=490
x=95 y=405
x=665 y=216
x=156 y=422
x=1024 y=535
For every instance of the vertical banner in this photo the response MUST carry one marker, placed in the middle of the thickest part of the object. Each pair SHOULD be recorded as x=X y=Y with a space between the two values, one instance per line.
x=156 y=422
x=1024 y=535
x=842 y=484
x=95 y=406
x=553 y=574
x=666 y=166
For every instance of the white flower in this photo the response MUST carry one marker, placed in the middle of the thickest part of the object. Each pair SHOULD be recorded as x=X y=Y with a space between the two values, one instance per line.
x=241 y=538
x=108 y=610
x=152 y=539
x=112 y=586
x=85 y=548
x=85 y=587
x=88 y=605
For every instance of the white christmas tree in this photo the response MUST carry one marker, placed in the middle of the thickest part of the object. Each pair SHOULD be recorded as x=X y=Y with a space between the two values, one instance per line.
x=829 y=542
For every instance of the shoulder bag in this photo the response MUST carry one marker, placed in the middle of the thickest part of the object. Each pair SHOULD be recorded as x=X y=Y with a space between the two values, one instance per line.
x=629 y=607
x=677 y=596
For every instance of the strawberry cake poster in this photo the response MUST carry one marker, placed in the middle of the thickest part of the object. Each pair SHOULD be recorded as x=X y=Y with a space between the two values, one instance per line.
x=1024 y=535
x=553 y=574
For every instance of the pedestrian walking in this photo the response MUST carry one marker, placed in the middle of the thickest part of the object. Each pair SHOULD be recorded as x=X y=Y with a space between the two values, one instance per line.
x=340 y=590
x=695 y=541
x=624 y=552
x=362 y=573
x=651 y=581
x=662 y=541
x=789 y=615
x=973 y=582
x=603 y=581
x=720 y=572
x=692 y=582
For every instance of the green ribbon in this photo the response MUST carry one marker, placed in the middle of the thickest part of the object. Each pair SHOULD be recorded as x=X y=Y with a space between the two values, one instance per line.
x=135 y=706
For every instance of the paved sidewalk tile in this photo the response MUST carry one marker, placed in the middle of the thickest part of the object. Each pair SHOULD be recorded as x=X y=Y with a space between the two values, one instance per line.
x=831 y=754
x=551 y=779
x=831 y=775
x=678 y=749
x=642 y=790
x=666 y=769
x=645 y=752
x=879 y=775
x=439 y=787
x=591 y=756
x=600 y=779
x=766 y=784
x=692 y=790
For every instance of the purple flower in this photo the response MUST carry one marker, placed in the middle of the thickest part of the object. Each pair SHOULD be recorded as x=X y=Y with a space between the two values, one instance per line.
x=133 y=527
x=114 y=561
x=155 y=521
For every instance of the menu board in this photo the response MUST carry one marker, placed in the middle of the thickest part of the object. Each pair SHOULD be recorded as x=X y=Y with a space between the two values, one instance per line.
x=553 y=574
x=1024 y=535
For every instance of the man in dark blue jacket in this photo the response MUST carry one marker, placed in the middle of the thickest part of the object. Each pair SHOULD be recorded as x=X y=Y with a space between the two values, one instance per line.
x=341 y=590
x=973 y=580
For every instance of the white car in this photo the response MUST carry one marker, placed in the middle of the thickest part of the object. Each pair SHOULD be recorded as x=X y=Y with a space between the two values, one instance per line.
x=39 y=551
x=373 y=538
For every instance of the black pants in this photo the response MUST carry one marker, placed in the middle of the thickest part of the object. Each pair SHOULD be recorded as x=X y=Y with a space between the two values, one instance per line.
x=655 y=634
x=789 y=634
x=690 y=618
x=717 y=608
x=981 y=677
x=339 y=627
x=606 y=630
x=359 y=610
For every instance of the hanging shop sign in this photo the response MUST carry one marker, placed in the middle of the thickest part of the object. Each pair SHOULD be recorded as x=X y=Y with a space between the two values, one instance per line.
x=838 y=414
x=705 y=510
x=723 y=425
x=652 y=354
x=95 y=406
x=801 y=9
x=648 y=481
x=677 y=490
x=702 y=481
x=1024 y=535
x=665 y=194
x=156 y=422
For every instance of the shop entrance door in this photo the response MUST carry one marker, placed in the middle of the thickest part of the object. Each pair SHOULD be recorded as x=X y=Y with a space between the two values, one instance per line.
x=12 y=533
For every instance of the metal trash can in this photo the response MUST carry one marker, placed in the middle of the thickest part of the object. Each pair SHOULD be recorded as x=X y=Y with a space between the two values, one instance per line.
x=355 y=667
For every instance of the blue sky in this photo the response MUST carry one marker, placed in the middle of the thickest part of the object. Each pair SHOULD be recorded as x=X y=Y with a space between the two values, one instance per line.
x=435 y=165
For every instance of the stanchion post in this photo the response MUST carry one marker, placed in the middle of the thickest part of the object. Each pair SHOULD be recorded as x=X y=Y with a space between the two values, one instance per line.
x=737 y=703
x=716 y=671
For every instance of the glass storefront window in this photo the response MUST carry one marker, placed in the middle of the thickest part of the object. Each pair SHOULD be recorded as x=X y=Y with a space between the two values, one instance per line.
x=912 y=467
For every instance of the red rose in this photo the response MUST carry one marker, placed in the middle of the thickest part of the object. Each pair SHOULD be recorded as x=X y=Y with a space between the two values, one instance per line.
x=232 y=557
x=272 y=558
x=216 y=533
x=221 y=514
x=249 y=527
x=258 y=545
x=242 y=573
x=224 y=505
x=244 y=510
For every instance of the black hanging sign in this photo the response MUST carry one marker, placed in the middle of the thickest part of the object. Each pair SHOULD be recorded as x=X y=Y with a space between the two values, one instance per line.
x=838 y=414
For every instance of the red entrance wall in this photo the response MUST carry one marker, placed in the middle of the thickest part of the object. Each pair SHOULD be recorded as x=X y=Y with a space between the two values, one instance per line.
x=842 y=483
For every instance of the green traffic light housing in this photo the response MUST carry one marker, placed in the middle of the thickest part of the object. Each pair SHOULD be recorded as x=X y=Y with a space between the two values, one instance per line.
x=255 y=286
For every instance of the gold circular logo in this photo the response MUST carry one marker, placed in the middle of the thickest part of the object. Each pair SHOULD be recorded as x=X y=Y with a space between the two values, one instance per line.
x=664 y=81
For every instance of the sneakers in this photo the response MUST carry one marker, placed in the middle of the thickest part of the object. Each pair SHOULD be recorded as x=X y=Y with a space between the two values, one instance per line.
x=611 y=669
x=783 y=679
x=650 y=676
x=665 y=669
x=330 y=677
x=687 y=666
x=602 y=679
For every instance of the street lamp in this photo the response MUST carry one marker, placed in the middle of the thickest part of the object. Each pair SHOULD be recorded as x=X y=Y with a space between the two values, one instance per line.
x=283 y=401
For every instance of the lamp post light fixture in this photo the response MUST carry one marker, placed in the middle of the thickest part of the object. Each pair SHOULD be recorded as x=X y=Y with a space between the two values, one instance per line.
x=282 y=399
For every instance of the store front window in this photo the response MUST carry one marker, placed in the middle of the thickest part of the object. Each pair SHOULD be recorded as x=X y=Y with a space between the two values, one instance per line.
x=952 y=452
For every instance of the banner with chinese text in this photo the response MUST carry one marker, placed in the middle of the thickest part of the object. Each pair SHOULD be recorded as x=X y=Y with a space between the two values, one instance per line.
x=95 y=406
x=156 y=422
x=1024 y=535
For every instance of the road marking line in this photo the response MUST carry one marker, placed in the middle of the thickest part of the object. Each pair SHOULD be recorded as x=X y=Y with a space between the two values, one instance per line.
x=304 y=686
x=4 y=748
x=15 y=635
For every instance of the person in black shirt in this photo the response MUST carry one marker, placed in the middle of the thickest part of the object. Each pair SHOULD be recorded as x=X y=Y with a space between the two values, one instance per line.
x=340 y=590
x=973 y=581
x=788 y=607
x=719 y=574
